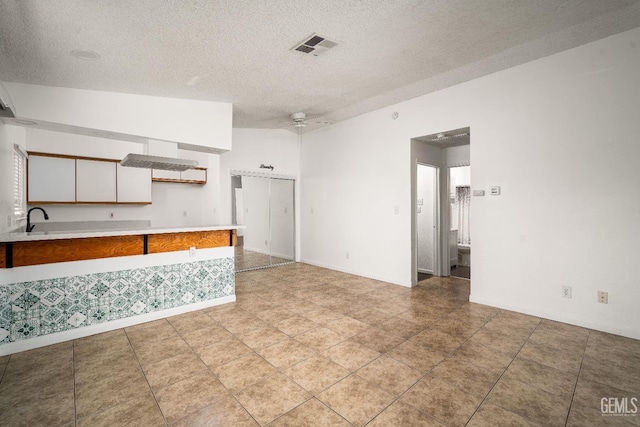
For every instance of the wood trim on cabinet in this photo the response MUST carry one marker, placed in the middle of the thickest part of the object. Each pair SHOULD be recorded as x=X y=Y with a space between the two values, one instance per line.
x=171 y=242
x=3 y=255
x=185 y=181
x=64 y=250
x=68 y=156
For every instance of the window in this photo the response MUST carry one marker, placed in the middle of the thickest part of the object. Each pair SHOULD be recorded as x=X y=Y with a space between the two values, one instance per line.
x=19 y=187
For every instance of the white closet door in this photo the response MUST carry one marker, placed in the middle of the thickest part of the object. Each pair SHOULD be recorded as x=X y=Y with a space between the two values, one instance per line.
x=96 y=181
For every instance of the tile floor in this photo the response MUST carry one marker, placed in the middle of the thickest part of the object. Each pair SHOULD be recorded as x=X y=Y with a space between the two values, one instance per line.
x=305 y=346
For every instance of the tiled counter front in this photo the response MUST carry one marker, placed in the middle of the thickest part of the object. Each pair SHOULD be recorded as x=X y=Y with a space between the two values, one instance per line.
x=51 y=307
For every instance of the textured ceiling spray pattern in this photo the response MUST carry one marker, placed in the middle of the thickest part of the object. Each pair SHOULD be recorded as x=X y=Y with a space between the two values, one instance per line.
x=240 y=51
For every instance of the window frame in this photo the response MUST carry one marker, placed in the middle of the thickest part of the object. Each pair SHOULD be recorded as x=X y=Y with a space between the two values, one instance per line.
x=19 y=183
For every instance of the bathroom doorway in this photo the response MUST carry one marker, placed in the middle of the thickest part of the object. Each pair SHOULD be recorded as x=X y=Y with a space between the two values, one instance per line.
x=426 y=219
x=460 y=209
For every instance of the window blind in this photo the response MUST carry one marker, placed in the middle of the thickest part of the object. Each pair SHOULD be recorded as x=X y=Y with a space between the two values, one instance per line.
x=19 y=187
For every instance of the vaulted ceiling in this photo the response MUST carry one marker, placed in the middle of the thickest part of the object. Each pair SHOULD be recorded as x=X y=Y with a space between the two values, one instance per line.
x=239 y=51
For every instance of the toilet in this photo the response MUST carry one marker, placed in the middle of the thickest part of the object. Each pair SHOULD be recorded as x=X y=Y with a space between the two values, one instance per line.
x=464 y=255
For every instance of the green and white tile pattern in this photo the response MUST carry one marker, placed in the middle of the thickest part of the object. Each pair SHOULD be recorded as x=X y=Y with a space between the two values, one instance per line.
x=41 y=307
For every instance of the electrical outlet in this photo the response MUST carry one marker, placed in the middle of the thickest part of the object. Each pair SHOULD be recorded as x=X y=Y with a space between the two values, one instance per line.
x=566 y=291
x=111 y=215
x=192 y=251
x=603 y=297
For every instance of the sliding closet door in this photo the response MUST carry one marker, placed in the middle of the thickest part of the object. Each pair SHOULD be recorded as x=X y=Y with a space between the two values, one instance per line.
x=265 y=206
x=282 y=221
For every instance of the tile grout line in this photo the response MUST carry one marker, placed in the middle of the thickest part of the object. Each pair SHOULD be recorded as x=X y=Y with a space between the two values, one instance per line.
x=502 y=374
x=145 y=375
x=75 y=396
x=575 y=385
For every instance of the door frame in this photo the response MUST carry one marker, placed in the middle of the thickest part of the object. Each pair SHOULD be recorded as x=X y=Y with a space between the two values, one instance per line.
x=437 y=271
x=435 y=213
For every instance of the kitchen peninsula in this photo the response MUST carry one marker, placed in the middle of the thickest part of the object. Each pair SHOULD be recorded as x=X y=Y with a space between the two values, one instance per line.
x=56 y=286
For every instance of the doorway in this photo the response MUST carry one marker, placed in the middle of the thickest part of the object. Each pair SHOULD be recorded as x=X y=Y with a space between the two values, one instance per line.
x=265 y=206
x=426 y=218
x=460 y=208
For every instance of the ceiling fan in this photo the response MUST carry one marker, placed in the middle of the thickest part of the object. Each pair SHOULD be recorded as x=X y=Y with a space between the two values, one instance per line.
x=299 y=120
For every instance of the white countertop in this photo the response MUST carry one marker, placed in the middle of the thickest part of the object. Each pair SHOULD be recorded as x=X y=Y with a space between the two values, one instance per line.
x=57 y=235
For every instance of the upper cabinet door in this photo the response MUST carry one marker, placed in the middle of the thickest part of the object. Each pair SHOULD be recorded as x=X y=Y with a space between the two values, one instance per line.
x=51 y=179
x=134 y=185
x=95 y=181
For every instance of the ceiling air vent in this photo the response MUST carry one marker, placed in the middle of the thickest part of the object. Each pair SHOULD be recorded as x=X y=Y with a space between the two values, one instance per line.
x=315 y=45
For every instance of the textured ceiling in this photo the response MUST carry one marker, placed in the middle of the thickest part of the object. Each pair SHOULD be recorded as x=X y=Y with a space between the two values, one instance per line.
x=239 y=51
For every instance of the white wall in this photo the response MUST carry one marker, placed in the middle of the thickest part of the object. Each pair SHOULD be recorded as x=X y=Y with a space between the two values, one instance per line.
x=253 y=147
x=170 y=201
x=9 y=135
x=559 y=135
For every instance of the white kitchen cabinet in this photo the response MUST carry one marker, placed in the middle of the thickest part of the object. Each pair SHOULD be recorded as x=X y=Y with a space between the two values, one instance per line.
x=95 y=181
x=134 y=185
x=51 y=179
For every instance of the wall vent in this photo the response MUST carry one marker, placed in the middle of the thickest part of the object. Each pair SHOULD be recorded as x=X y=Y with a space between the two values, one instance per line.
x=315 y=45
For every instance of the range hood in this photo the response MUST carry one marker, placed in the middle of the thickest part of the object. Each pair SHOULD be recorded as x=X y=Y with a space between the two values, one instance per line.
x=6 y=108
x=157 y=162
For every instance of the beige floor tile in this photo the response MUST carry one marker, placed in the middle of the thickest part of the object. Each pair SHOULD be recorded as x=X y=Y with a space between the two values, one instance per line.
x=242 y=323
x=378 y=339
x=272 y=397
x=437 y=341
x=568 y=360
x=286 y=353
x=311 y=413
x=416 y=356
x=549 y=379
x=347 y=326
x=355 y=399
x=623 y=377
x=482 y=356
x=190 y=322
x=495 y=339
x=151 y=332
x=316 y=373
x=490 y=415
x=295 y=325
x=275 y=315
x=224 y=412
x=320 y=339
x=140 y=411
x=240 y=373
x=114 y=341
x=442 y=400
x=35 y=386
x=207 y=336
x=350 y=355
x=401 y=327
x=223 y=352
x=460 y=327
x=321 y=315
x=582 y=414
x=390 y=375
x=58 y=410
x=530 y=402
x=58 y=357
x=109 y=389
x=154 y=351
x=262 y=337
x=466 y=376
x=401 y=414
x=370 y=316
x=192 y=394
x=177 y=368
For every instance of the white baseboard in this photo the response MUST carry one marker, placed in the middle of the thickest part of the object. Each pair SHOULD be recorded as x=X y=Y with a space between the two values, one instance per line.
x=358 y=273
x=616 y=330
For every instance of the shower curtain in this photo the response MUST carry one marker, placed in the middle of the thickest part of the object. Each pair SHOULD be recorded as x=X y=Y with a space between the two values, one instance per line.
x=462 y=204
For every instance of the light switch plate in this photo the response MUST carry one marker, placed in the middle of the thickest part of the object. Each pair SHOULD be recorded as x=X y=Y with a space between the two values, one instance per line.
x=494 y=191
x=478 y=192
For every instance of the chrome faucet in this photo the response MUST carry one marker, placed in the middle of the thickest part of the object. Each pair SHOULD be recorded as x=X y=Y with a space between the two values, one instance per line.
x=29 y=225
